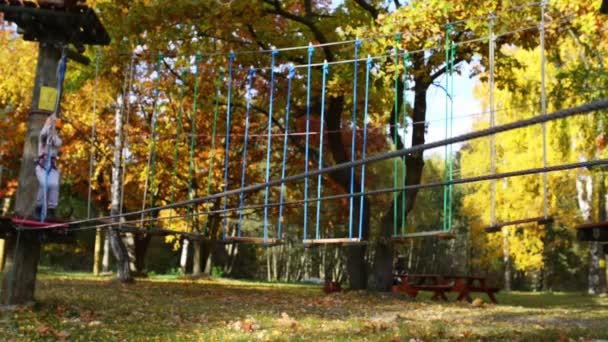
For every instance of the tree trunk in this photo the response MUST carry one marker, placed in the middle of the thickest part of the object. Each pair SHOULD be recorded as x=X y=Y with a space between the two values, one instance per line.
x=142 y=242
x=23 y=250
x=105 y=261
x=97 y=253
x=183 y=260
x=383 y=261
x=506 y=257
x=118 y=247
x=584 y=189
x=196 y=259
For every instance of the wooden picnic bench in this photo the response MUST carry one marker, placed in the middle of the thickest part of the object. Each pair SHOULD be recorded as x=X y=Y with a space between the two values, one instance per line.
x=411 y=284
x=464 y=285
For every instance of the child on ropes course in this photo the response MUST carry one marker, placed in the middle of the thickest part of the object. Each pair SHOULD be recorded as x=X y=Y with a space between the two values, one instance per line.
x=48 y=145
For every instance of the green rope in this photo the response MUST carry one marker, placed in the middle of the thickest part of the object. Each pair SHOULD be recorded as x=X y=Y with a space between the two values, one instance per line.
x=447 y=106
x=192 y=135
x=396 y=136
x=406 y=58
x=451 y=162
x=212 y=156
x=155 y=114
x=178 y=134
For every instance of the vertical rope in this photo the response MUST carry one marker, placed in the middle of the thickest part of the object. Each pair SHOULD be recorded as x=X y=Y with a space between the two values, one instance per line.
x=543 y=104
x=245 y=141
x=178 y=134
x=406 y=58
x=368 y=65
x=451 y=160
x=152 y=130
x=197 y=61
x=227 y=150
x=93 y=132
x=292 y=72
x=126 y=137
x=61 y=67
x=321 y=134
x=311 y=50
x=353 y=140
x=153 y=151
x=447 y=99
x=492 y=47
x=269 y=144
x=396 y=132
x=212 y=156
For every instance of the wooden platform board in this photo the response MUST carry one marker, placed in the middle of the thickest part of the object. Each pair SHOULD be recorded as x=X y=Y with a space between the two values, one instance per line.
x=333 y=241
x=592 y=232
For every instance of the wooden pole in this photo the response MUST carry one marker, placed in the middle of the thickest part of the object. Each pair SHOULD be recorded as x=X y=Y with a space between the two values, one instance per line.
x=23 y=250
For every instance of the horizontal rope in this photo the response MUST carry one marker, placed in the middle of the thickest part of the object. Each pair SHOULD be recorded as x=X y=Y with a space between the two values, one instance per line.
x=563 y=167
x=590 y=107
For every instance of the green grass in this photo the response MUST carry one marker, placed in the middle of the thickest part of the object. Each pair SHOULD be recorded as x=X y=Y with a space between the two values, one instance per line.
x=80 y=307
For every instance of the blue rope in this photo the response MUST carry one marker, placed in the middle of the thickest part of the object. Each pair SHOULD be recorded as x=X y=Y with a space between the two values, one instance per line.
x=311 y=49
x=269 y=144
x=365 y=118
x=292 y=72
x=241 y=195
x=321 y=133
x=47 y=167
x=352 y=149
x=227 y=151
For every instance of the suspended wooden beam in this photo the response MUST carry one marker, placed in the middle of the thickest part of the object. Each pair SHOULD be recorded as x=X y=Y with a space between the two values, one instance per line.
x=592 y=231
x=439 y=234
x=332 y=241
x=539 y=220
x=253 y=240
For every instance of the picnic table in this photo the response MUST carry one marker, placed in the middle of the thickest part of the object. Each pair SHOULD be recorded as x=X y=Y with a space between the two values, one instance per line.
x=411 y=284
x=464 y=285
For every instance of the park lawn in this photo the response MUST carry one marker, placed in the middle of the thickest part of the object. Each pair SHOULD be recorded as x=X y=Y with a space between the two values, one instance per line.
x=85 y=308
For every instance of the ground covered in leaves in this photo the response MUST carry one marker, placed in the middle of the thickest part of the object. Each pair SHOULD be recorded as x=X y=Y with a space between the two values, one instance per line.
x=78 y=307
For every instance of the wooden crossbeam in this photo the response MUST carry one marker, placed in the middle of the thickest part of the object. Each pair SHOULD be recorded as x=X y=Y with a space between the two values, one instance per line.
x=539 y=220
x=334 y=241
x=253 y=240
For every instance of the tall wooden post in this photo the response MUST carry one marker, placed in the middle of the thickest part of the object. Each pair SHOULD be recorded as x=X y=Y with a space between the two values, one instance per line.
x=23 y=248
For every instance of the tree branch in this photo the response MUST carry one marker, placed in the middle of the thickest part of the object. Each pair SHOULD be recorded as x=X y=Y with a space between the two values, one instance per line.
x=371 y=9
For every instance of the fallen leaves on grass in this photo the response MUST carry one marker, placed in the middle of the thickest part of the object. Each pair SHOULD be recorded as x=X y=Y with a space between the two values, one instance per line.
x=288 y=322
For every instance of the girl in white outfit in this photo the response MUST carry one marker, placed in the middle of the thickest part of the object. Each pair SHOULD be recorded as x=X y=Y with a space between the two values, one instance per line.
x=48 y=145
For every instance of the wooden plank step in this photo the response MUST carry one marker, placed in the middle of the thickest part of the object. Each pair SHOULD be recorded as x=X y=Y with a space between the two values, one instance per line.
x=331 y=241
x=253 y=240
x=439 y=234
